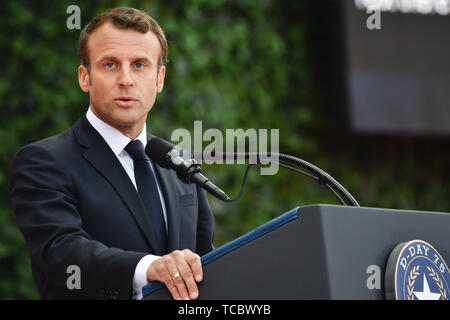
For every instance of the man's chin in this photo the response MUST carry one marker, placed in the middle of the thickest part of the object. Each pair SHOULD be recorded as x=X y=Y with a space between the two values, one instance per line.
x=127 y=120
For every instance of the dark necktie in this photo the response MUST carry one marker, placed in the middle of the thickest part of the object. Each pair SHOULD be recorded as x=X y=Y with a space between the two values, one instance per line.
x=148 y=190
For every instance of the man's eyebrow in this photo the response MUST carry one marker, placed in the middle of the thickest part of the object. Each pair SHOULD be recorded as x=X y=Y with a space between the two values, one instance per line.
x=107 y=58
x=143 y=58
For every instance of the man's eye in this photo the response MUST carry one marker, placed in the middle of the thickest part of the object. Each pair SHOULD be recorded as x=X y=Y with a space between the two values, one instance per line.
x=109 y=65
x=139 y=65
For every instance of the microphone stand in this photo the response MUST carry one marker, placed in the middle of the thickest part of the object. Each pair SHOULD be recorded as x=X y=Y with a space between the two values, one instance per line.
x=321 y=177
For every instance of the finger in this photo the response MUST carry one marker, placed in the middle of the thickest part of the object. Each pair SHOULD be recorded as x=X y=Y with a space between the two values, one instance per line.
x=173 y=290
x=188 y=277
x=196 y=264
x=190 y=283
x=173 y=265
x=163 y=275
x=191 y=267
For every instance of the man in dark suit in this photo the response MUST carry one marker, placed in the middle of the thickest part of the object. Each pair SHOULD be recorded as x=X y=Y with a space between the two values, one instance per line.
x=78 y=197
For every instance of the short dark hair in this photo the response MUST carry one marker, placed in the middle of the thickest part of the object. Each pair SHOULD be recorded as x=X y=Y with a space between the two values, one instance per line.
x=122 y=18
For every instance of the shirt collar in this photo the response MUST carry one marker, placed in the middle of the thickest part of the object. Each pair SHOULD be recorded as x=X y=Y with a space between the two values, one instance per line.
x=115 y=139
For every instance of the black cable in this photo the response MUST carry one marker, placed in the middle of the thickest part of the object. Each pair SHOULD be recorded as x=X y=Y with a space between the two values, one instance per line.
x=335 y=193
x=323 y=178
x=297 y=170
x=326 y=185
x=244 y=182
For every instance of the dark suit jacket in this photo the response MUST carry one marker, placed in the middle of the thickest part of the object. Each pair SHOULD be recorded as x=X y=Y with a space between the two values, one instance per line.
x=75 y=205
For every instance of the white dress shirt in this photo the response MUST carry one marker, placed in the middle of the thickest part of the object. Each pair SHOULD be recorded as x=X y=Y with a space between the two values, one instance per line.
x=117 y=142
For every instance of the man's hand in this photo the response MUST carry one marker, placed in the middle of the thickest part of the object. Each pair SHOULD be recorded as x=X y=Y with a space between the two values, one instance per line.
x=179 y=270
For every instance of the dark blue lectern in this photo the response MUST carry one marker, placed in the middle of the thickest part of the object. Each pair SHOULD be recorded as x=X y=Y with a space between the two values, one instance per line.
x=314 y=252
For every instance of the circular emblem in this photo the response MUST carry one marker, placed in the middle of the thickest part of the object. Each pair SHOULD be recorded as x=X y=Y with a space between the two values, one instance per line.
x=416 y=271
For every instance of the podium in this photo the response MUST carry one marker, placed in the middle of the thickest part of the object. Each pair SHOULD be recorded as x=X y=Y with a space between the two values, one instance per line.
x=314 y=252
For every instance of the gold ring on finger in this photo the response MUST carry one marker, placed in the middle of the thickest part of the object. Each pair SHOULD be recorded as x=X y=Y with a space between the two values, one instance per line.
x=176 y=276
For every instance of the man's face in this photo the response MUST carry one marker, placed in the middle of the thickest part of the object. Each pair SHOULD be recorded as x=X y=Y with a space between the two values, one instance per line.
x=124 y=79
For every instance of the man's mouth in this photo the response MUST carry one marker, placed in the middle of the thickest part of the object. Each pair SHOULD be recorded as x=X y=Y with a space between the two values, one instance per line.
x=125 y=101
x=125 y=98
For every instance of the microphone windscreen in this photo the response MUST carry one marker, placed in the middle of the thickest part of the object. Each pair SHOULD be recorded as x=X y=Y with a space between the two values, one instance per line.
x=157 y=149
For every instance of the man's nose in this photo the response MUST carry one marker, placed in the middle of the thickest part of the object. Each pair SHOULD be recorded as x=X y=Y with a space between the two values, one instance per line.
x=125 y=77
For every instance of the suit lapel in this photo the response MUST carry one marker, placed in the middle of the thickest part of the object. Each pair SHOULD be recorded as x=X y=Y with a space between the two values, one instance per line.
x=173 y=219
x=105 y=161
x=171 y=195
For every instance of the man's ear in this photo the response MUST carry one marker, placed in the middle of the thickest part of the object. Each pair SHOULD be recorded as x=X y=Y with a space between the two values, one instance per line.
x=160 y=79
x=83 y=78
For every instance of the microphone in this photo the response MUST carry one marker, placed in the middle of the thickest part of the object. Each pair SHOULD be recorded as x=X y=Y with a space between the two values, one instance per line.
x=166 y=155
